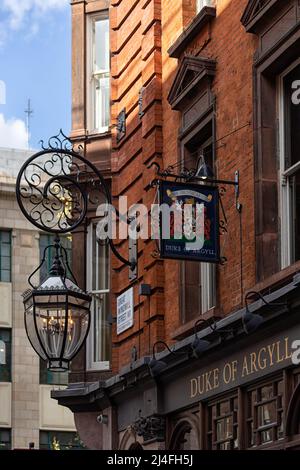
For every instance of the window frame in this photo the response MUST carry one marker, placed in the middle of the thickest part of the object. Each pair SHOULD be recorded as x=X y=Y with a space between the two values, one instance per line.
x=10 y=255
x=8 y=356
x=9 y=443
x=256 y=429
x=91 y=75
x=285 y=192
x=92 y=365
x=212 y=422
x=51 y=434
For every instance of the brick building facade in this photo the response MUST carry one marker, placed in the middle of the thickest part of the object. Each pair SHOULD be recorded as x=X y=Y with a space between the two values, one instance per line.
x=192 y=80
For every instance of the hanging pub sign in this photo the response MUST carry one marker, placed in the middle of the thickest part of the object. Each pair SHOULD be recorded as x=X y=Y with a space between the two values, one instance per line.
x=189 y=225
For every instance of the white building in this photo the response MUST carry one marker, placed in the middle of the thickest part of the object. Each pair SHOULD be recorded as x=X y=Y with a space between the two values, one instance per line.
x=27 y=413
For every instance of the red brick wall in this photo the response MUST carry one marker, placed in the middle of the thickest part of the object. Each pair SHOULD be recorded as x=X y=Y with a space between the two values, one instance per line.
x=142 y=32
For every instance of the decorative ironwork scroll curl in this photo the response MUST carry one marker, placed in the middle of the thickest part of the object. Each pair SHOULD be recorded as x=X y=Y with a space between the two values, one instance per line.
x=56 y=186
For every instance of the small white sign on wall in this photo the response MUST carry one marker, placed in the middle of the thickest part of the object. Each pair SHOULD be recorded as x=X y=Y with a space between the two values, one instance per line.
x=125 y=310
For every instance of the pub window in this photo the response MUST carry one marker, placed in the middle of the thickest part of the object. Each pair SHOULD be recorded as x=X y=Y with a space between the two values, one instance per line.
x=5 y=355
x=265 y=414
x=5 y=439
x=289 y=144
x=98 y=284
x=5 y=256
x=198 y=279
x=222 y=425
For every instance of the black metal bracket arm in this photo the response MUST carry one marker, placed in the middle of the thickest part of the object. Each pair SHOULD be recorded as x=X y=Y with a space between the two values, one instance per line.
x=190 y=175
x=57 y=186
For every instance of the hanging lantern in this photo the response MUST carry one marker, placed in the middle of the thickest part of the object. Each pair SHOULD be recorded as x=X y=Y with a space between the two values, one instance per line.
x=57 y=313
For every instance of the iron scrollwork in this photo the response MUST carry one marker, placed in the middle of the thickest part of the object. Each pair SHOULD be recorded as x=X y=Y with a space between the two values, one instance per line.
x=56 y=186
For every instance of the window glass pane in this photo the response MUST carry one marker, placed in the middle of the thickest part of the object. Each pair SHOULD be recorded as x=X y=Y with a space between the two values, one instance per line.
x=2 y=353
x=292 y=118
x=101 y=38
x=5 y=276
x=5 y=256
x=267 y=414
x=5 y=263
x=57 y=440
x=5 y=439
x=267 y=392
x=100 y=335
x=222 y=419
x=102 y=101
x=5 y=355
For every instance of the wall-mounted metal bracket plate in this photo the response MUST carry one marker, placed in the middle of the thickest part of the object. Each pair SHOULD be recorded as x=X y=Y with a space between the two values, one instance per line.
x=133 y=258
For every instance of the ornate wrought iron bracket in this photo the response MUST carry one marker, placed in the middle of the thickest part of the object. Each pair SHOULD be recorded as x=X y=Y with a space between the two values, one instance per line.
x=189 y=175
x=57 y=186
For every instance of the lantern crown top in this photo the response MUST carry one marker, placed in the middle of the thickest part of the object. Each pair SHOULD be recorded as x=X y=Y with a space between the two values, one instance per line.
x=57 y=279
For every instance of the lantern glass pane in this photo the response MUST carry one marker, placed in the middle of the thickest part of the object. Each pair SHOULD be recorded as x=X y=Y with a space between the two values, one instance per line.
x=31 y=330
x=60 y=326
x=51 y=321
x=78 y=323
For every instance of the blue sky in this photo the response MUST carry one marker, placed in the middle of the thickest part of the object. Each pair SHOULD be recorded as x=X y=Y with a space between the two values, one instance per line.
x=35 y=63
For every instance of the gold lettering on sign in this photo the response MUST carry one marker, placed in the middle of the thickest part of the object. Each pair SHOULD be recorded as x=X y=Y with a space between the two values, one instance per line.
x=227 y=373
x=287 y=354
x=193 y=388
x=262 y=363
x=255 y=361
x=271 y=348
x=279 y=358
x=245 y=370
x=234 y=370
x=205 y=382
x=216 y=378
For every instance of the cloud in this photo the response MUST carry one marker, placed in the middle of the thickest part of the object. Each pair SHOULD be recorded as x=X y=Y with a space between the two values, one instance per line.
x=13 y=133
x=21 y=14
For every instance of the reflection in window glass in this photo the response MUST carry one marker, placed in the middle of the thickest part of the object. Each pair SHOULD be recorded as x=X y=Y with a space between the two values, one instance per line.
x=222 y=425
x=2 y=353
x=58 y=440
x=265 y=414
x=98 y=284
x=5 y=355
x=289 y=123
x=5 y=256
x=100 y=75
x=5 y=439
